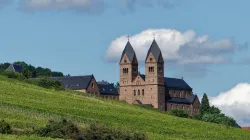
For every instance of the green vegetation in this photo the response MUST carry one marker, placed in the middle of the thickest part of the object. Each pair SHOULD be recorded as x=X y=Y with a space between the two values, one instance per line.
x=5 y=128
x=27 y=107
x=179 y=113
x=44 y=82
x=30 y=71
x=68 y=130
x=213 y=114
x=23 y=137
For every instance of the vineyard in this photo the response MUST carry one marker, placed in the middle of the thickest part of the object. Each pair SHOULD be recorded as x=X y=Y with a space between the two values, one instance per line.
x=26 y=106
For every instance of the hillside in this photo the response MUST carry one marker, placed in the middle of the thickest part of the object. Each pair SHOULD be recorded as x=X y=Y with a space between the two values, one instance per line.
x=25 y=106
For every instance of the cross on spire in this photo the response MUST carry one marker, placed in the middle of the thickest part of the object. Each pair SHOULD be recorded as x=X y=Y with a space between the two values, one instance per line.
x=128 y=37
x=154 y=35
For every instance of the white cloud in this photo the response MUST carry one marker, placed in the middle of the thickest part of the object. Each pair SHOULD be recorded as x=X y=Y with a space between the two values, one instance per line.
x=178 y=47
x=235 y=102
x=79 y=5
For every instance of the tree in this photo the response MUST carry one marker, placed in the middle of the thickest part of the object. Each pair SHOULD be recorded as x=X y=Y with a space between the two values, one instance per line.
x=117 y=85
x=56 y=74
x=4 y=66
x=214 y=110
x=205 y=108
x=26 y=73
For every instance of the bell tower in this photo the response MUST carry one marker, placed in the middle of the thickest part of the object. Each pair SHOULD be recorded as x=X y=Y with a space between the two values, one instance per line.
x=128 y=71
x=154 y=72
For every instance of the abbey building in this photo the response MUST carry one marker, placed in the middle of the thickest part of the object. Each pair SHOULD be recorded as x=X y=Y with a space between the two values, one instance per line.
x=153 y=88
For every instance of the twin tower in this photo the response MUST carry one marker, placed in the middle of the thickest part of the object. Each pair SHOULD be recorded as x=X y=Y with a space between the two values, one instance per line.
x=136 y=88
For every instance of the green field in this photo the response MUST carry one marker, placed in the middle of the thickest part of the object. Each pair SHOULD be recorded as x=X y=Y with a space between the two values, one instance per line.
x=25 y=106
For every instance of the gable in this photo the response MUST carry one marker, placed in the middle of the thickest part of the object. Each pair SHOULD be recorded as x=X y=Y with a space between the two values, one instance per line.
x=125 y=59
x=137 y=102
x=150 y=58
x=92 y=86
x=139 y=79
x=10 y=68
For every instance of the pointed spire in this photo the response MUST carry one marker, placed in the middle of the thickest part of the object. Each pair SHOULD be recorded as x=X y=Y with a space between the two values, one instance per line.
x=155 y=50
x=129 y=51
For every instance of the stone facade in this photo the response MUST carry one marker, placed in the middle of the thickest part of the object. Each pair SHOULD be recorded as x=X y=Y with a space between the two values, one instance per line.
x=93 y=87
x=153 y=88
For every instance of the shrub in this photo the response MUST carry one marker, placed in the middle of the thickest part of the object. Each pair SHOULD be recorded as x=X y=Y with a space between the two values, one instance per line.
x=219 y=119
x=179 y=113
x=197 y=117
x=5 y=128
x=68 y=130
x=63 y=129
x=101 y=132
x=49 y=83
x=14 y=75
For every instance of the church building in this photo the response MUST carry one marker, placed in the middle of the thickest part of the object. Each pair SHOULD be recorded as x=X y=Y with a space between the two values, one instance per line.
x=154 y=88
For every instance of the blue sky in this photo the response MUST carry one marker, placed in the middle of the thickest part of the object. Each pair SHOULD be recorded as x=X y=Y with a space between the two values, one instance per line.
x=76 y=39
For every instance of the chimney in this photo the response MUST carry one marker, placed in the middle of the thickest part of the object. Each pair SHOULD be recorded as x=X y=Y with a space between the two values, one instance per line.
x=182 y=78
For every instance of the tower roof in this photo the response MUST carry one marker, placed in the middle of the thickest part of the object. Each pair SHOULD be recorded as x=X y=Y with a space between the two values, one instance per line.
x=156 y=51
x=129 y=51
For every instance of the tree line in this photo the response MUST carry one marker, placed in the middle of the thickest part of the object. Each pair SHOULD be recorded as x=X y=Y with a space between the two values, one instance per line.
x=30 y=71
x=207 y=114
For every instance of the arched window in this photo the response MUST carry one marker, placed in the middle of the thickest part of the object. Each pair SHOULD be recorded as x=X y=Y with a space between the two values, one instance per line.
x=142 y=92
x=138 y=92
x=150 y=59
x=134 y=92
x=125 y=61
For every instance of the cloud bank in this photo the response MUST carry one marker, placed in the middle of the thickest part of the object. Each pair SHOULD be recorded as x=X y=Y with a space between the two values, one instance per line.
x=235 y=103
x=90 y=6
x=177 y=47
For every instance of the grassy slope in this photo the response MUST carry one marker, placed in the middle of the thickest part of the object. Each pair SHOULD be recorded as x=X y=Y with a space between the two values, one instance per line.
x=13 y=137
x=26 y=106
